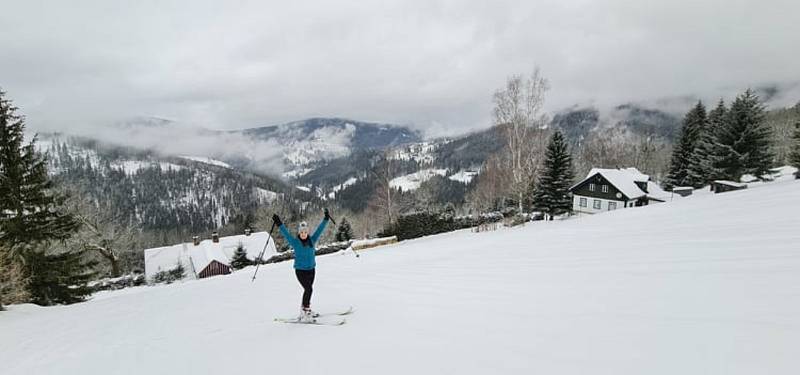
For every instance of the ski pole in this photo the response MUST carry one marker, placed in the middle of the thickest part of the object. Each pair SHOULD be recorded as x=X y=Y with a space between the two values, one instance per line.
x=331 y=217
x=260 y=256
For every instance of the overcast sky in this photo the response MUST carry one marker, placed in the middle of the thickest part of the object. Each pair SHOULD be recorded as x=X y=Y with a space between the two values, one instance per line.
x=433 y=64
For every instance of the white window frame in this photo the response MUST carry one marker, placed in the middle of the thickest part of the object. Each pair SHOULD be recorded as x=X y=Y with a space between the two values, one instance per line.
x=591 y=186
x=605 y=188
x=597 y=204
x=583 y=202
x=612 y=203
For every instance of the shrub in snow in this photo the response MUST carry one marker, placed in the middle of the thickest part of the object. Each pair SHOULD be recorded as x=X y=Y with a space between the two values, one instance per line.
x=429 y=223
x=240 y=260
x=170 y=276
x=121 y=282
x=516 y=220
x=345 y=231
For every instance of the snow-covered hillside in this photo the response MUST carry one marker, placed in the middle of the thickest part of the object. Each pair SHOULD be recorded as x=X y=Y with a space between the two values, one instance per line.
x=464 y=176
x=161 y=192
x=307 y=143
x=704 y=285
x=421 y=152
x=207 y=160
x=411 y=182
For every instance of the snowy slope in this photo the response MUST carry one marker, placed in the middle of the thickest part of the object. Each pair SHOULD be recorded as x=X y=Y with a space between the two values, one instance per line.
x=307 y=143
x=412 y=181
x=131 y=167
x=464 y=176
x=350 y=181
x=421 y=152
x=207 y=160
x=704 y=285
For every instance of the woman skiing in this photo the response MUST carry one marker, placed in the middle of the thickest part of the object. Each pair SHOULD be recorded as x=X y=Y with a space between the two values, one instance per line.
x=304 y=254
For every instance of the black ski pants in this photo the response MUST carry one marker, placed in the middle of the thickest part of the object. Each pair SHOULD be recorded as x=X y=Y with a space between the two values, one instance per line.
x=306 y=279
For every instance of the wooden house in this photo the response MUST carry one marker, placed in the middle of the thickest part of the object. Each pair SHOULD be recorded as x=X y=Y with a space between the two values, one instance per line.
x=610 y=189
x=211 y=257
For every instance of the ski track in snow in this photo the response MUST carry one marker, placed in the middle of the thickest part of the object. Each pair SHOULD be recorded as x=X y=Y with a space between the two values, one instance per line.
x=704 y=285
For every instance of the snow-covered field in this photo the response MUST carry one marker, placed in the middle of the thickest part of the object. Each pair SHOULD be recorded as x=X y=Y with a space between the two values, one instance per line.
x=704 y=285
x=411 y=182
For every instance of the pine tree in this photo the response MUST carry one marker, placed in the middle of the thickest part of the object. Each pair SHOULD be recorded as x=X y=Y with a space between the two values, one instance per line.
x=685 y=166
x=551 y=194
x=30 y=212
x=59 y=278
x=32 y=217
x=795 y=157
x=345 y=231
x=240 y=260
x=742 y=144
x=706 y=150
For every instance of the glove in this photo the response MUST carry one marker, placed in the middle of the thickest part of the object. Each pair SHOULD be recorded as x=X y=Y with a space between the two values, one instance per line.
x=277 y=220
x=327 y=214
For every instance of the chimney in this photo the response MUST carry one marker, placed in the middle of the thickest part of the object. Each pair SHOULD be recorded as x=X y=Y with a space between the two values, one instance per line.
x=196 y=240
x=215 y=237
x=247 y=231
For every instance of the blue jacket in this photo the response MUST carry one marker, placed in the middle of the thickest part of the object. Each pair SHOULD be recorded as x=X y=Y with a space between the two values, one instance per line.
x=304 y=256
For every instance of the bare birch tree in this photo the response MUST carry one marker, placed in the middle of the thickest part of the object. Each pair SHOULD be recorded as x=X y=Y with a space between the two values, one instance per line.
x=384 y=198
x=491 y=186
x=103 y=234
x=615 y=148
x=518 y=110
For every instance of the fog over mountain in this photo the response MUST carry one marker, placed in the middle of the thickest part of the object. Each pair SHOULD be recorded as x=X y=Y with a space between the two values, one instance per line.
x=429 y=64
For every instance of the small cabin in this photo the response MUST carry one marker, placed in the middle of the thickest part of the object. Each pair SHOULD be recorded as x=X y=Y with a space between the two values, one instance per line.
x=206 y=258
x=723 y=186
x=214 y=268
x=611 y=189
x=683 y=191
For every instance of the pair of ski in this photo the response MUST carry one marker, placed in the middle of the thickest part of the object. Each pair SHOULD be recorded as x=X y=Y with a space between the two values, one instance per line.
x=317 y=320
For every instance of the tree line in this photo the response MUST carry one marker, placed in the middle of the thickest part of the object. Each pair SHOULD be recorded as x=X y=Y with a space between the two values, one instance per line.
x=723 y=144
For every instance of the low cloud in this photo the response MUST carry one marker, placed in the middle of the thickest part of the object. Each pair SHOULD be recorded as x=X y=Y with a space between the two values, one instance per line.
x=182 y=140
x=86 y=64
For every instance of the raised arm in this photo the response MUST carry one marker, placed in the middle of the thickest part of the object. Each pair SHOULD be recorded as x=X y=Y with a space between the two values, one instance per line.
x=293 y=242
x=319 y=230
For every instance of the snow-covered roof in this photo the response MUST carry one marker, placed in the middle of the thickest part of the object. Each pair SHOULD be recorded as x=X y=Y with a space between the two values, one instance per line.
x=655 y=191
x=196 y=258
x=207 y=251
x=783 y=171
x=774 y=174
x=165 y=258
x=623 y=179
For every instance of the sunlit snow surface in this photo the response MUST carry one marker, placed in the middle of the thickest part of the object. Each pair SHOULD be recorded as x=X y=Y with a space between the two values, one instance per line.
x=702 y=285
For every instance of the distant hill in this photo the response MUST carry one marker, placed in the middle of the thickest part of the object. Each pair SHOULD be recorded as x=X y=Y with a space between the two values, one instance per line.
x=171 y=197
